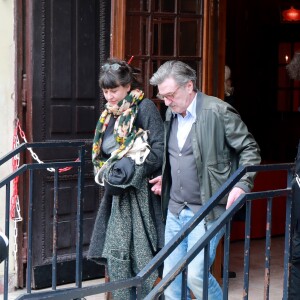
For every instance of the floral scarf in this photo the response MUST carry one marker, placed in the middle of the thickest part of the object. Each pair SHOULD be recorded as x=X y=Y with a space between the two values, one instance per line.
x=125 y=132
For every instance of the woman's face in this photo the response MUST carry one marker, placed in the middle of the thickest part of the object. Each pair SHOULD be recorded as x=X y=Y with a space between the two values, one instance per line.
x=115 y=95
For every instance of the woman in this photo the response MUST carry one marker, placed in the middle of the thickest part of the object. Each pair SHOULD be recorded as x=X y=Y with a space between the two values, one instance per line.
x=127 y=151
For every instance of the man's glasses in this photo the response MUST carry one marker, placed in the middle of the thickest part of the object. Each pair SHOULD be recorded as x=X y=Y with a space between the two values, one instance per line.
x=169 y=96
x=114 y=67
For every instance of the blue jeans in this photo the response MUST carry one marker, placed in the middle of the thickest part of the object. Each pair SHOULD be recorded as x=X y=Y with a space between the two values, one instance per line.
x=195 y=269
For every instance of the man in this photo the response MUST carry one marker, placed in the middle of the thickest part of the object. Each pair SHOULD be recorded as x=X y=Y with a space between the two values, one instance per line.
x=205 y=142
x=3 y=246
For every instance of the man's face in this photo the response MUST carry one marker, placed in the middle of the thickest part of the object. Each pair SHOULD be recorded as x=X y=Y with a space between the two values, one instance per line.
x=178 y=98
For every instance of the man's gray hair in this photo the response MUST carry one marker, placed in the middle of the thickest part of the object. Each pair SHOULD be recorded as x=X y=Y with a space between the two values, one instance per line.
x=178 y=70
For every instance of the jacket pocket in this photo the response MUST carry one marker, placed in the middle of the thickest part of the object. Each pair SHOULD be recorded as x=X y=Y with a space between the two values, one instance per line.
x=119 y=267
x=218 y=173
x=119 y=264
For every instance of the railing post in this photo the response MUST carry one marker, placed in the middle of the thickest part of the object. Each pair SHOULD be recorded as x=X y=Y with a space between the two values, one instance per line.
x=138 y=291
x=7 y=208
x=206 y=271
x=184 y=284
x=288 y=236
x=268 y=248
x=80 y=218
x=29 y=253
x=226 y=260
x=55 y=237
x=247 y=250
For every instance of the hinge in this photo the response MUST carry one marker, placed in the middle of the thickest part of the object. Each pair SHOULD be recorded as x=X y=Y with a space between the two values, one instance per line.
x=24 y=90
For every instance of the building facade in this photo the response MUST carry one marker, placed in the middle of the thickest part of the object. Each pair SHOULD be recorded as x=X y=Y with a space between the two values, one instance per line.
x=51 y=54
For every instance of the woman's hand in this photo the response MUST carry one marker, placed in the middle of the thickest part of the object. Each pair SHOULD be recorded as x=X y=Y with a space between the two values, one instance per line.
x=156 y=188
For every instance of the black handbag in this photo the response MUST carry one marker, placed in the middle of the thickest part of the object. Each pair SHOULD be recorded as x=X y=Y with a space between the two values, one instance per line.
x=119 y=174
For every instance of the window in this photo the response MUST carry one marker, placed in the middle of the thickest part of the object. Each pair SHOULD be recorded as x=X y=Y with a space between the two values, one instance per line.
x=161 y=30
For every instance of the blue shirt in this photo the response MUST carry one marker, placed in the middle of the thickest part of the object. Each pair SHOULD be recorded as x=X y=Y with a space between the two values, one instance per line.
x=185 y=123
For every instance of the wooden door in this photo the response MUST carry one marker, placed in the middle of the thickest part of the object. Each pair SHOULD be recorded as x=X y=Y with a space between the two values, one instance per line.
x=66 y=42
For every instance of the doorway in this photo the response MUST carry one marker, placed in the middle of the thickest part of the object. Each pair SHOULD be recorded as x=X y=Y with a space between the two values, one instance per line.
x=255 y=34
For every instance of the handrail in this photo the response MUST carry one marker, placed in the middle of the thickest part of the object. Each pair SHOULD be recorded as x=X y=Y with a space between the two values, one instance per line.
x=24 y=146
x=204 y=240
x=224 y=220
x=37 y=166
x=199 y=216
x=79 y=163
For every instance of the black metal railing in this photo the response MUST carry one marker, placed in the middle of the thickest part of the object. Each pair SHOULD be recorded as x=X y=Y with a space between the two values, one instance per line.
x=55 y=166
x=225 y=220
x=203 y=244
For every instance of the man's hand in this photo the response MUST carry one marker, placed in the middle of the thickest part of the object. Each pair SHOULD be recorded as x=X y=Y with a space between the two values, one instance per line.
x=156 y=188
x=233 y=195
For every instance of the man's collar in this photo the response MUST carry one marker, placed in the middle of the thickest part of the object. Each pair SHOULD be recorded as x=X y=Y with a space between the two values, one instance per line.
x=191 y=110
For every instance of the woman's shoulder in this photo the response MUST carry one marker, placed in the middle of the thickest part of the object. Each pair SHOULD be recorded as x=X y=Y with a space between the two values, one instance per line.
x=147 y=104
x=148 y=112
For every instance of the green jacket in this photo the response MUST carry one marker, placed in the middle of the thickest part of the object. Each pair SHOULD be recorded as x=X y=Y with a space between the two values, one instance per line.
x=221 y=144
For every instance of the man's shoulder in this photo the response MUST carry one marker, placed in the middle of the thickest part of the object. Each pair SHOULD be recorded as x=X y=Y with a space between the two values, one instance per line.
x=214 y=104
x=211 y=101
x=209 y=104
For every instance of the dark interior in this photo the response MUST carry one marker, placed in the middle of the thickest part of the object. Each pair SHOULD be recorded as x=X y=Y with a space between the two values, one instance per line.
x=259 y=45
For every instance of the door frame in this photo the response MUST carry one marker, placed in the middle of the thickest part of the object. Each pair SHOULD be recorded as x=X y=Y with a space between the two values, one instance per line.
x=214 y=47
x=117 y=29
x=23 y=94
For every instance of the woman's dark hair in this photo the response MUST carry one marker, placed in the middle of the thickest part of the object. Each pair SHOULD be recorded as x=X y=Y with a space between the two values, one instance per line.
x=117 y=72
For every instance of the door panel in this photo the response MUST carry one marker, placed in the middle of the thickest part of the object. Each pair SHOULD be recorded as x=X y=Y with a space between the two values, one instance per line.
x=69 y=41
